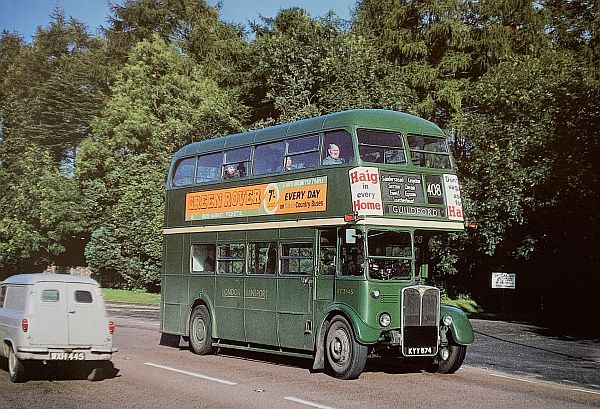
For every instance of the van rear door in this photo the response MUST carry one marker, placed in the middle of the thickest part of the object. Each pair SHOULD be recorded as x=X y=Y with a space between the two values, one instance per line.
x=49 y=324
x=88 y=324
x=68 y=314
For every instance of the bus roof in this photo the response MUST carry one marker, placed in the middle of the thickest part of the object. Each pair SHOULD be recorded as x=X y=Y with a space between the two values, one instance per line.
x=368 y=118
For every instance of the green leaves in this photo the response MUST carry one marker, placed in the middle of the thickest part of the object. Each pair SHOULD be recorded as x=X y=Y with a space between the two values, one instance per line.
x=88 y=124
x=161 y=100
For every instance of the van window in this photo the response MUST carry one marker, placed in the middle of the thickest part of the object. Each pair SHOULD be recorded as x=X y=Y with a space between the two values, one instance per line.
x=84 y=297
x=15 y=298
x=50 y=296
x=2 y=295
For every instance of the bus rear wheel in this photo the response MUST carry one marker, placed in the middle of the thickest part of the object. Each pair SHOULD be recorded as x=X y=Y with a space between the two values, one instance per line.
x=346 y=358
x=200 y=331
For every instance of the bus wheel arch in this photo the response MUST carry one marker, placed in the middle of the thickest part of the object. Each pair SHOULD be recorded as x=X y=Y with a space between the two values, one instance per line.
x=345 y=357
x=200 y=330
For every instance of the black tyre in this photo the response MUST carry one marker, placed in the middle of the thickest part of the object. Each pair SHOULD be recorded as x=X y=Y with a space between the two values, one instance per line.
x=200 y=331
x=346 y=358
x=16 y=368
x=454 y=361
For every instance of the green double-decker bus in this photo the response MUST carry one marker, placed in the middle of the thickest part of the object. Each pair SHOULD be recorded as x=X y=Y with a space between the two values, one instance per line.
x=311 y=239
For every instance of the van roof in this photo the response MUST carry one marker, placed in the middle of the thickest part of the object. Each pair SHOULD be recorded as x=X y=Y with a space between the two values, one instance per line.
x=32 y=278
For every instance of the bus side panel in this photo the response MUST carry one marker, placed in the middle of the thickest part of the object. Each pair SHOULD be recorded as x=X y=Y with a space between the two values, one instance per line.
x=174 y=306
x=174 y=285
x=260 y=298
x=294 y=297
x=229 y=307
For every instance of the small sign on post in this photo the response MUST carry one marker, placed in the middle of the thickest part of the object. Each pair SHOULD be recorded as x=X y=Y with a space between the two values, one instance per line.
x=504 y=280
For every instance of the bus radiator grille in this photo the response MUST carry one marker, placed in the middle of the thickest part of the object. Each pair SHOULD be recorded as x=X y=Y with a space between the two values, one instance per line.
x=420 y=318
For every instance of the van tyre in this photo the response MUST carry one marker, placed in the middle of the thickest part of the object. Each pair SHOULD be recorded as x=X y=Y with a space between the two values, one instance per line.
x=346 y=358
x=200 y=331
x=454 y=361
x=16 y=368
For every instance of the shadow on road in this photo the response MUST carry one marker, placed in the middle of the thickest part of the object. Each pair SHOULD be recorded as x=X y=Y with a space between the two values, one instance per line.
x=61 y=371
x=374 y=363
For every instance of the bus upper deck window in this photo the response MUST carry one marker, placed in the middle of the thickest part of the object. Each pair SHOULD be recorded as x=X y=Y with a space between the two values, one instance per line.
x=337 y=148
x=184 y=172
x=209 y=167
x=236 y=163
x=302 y=153
x=429 y=151
x=381 y=146
x=268 y=158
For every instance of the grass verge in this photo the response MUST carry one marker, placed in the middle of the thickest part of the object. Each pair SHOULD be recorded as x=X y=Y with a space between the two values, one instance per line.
x=133 y=297
x=468 y=305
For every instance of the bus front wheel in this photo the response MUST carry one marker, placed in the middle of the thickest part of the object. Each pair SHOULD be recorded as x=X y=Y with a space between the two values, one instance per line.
x=200 y=331
x=454 y=361
x=346 y=358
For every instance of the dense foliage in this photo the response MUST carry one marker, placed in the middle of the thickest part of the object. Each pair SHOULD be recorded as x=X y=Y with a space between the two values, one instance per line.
x=88 y=124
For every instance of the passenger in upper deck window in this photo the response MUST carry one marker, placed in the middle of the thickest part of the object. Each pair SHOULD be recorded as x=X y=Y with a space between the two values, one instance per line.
x=288 y=164
x=241 y=169
x=230 y=172
x=333 y=155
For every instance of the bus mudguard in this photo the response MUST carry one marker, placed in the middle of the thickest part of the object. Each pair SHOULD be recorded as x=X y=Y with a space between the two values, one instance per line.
x=363 y=332
x=462 y=331
x=203 y=298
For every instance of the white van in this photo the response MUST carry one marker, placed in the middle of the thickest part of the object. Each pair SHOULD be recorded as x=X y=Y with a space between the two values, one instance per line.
x=53 y=317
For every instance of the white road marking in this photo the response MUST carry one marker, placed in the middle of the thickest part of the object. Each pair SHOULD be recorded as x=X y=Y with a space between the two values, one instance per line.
x=515 y=378
x=208 y=378
x=307 y=403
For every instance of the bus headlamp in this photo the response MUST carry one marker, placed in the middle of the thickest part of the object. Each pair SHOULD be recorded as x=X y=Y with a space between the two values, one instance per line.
x=385 y=320
x=447 y=320
x=375 y=294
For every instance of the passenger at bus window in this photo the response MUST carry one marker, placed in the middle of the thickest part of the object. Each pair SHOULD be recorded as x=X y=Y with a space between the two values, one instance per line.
x=271 y=266
x=374 y=268
x=288 y=164
x=333 y=155
x=241 y=169
x=209 y=263
x=355 y=262
x=230 y=172
x=327 y=261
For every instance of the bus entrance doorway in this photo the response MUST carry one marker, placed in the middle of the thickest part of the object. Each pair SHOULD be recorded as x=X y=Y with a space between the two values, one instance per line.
x=327 y=261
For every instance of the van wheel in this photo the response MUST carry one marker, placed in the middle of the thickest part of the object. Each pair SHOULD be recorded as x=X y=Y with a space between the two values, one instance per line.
x=16 y=368
x=454 y=361
x=346 y=358
x=200 y=331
